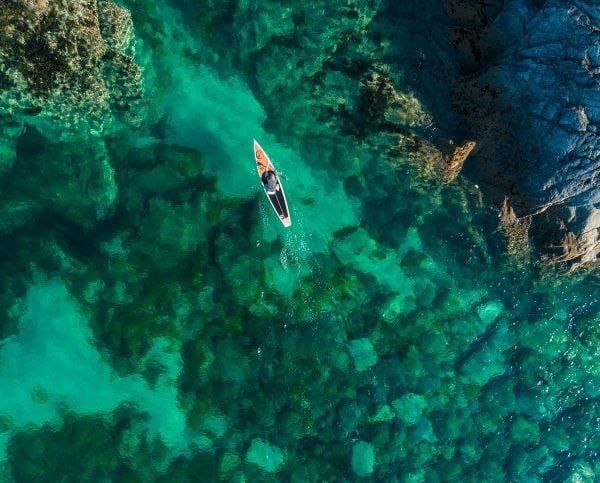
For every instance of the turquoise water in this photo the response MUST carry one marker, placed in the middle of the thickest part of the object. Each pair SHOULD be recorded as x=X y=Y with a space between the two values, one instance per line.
x=159 y=324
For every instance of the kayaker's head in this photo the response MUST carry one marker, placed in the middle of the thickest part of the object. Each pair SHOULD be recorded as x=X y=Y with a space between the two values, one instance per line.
x=271 y=180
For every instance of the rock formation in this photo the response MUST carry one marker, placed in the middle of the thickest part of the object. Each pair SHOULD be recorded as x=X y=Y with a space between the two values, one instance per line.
x=443 y=162
x=516 y=231
x=531 y=96
x=402 y=115
x=381 y=101
x=67 y=60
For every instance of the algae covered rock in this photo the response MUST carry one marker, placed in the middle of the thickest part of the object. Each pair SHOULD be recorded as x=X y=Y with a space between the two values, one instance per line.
x=363 y=354
x=82 y=448
x=229 y=463
x=384 y=414
x=68 y=60
x=409 y=407
x=382 y=102
x=523 y=431
x=363 y=458
x=349 y=416
x=172 y=228
x=266 y=456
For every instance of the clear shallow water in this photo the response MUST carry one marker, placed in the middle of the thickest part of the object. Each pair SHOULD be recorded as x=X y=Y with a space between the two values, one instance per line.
x=173 y=330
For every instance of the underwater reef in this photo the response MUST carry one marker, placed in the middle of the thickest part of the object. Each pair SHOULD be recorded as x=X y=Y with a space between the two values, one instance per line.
x=158 y=324
x=69 y=61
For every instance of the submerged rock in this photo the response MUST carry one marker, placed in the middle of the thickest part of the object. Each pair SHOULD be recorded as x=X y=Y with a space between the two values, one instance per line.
x=443 y=162
x=486 y=359
x=75 y=180
x=382 y=103
x=516 y=231
x=383 y=414
x=581 y=472
x=262 y=454
x=349 y=415
x=523 y=431
x=423 y=431
x=490 y=311
x=229 y=463
x=409 y=408
x=403 y=116
x=363 y=458
x=363 y=354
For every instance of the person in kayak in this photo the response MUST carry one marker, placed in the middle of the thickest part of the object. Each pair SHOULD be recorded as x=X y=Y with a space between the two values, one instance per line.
x=269 y=179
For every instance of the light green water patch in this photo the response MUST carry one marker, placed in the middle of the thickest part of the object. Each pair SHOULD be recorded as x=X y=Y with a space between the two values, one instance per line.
x=217 y=114
x=58 y=367
x=359 y=250
x=264 y=455
x=220 y=118
x=363 y=458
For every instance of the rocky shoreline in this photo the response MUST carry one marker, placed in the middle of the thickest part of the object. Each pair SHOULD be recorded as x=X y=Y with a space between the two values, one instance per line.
x=530 y=93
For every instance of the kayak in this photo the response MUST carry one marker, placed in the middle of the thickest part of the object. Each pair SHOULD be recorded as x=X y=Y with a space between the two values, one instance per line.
x=275 y=193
